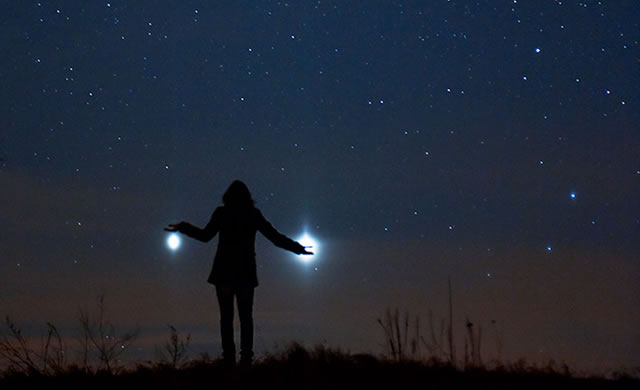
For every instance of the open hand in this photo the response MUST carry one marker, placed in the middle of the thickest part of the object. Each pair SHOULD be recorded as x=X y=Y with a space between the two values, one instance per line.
x=174 y=227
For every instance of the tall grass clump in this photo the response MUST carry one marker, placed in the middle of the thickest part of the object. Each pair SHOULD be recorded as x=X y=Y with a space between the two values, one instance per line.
x=99 y=341
x=15 y=349
x=404 y=338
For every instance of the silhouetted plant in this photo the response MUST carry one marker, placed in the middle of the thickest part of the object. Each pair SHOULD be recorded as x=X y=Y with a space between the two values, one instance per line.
x=401 y=345
x=452 y=348
x=435 y=346
x=84 y=341
x=54 y=358
x=499 y=339
x=22 y=358
x=14 y=349
x=396 y=332
x=472 y=344
x=101 y=335
x=174 y=352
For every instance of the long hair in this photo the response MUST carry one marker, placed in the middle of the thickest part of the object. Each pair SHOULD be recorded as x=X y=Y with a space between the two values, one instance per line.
x=237 y=196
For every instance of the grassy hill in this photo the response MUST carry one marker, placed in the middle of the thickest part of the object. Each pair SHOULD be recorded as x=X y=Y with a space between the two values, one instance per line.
x=317 y=368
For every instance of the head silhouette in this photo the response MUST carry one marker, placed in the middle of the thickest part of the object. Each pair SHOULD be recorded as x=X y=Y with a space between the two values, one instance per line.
x=237 y=196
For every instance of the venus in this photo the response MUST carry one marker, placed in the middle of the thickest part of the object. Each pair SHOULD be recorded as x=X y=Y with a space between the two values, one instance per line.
x=173 y=241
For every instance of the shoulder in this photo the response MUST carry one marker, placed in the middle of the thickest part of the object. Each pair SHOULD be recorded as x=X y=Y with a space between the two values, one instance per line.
x=257 y=214
x=218 y=212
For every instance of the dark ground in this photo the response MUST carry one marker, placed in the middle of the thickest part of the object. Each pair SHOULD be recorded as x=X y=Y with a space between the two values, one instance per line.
x=319 y=368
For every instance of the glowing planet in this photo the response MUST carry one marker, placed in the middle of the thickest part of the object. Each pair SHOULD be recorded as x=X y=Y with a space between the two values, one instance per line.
x=173 y=241
x=308 y=241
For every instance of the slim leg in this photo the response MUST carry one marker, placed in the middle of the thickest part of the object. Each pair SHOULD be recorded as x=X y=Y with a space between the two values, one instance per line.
x=245 y=312
x=225 y=302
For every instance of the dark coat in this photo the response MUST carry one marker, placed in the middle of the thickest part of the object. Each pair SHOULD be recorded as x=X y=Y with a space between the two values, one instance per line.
x=235 y=260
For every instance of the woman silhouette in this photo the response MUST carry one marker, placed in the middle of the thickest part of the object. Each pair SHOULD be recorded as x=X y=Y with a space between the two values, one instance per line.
x=234 y=266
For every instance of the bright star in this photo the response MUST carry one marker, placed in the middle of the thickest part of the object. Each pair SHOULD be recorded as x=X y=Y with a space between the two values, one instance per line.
x=173 y=241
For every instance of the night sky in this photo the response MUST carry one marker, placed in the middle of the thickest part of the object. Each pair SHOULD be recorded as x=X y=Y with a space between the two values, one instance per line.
x=495 y=143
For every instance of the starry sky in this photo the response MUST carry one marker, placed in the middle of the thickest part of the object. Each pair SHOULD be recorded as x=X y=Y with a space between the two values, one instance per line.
x=492 y=143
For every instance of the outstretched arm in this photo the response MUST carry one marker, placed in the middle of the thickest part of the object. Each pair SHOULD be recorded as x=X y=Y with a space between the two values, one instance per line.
x=279 y=239
x=204 y=235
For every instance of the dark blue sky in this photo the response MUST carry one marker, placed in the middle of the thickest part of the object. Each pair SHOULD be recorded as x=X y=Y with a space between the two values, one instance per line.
x=493 y=142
